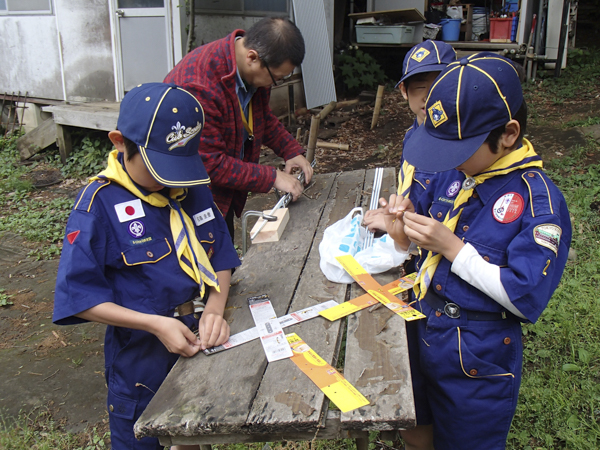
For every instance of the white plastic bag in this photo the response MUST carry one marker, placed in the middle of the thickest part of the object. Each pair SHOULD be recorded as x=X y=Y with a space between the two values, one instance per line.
x=347 y=237
x=381 y=256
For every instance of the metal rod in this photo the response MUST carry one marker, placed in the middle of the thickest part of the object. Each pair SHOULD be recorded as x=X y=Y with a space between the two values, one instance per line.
x=374 y=202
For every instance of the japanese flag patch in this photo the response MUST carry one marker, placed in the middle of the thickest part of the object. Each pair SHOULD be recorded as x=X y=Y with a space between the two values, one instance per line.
x=508 y=208
x=130 y=210
x=548 y=235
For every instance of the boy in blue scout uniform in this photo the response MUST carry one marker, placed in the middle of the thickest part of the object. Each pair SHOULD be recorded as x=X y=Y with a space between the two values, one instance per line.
x=421 y=66
x=145 y=247
x=493 y=243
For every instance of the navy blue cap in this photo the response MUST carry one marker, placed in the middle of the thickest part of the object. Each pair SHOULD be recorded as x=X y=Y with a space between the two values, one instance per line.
x=165 y=122
x=468 y=100
x=428 y=56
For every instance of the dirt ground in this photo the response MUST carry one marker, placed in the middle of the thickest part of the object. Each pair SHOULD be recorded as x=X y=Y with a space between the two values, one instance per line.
x=61 y=368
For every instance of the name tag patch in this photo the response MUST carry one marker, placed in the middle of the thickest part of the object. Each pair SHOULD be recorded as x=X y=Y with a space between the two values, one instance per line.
x=508 y=208
x=130 y=210
x=203 y=216
x=548 y=235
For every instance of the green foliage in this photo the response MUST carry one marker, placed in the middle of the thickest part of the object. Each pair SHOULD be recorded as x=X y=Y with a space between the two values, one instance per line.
x=359 y=70
x=577 y=80
x=4 y=298
x=583 y=123
x=37 y=430
x=89 y=155
x=11 y=171
x=559 y=404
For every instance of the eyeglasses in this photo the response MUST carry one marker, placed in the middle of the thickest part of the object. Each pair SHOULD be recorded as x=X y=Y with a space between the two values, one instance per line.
x=281 y=80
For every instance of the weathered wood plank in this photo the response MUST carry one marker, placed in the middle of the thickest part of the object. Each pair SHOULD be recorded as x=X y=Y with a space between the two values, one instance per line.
x=37 y=139
x=287 y=398
x=377 y=358
x=331 y=430
x=63 y=140
x=214 y=394
x=96 y=116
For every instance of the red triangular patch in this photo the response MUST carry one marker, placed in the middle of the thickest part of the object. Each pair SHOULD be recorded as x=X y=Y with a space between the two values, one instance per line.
x=72 y=236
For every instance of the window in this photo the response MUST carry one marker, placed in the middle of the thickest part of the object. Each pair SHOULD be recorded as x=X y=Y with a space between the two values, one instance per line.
x=246 y=7
x=25 y=7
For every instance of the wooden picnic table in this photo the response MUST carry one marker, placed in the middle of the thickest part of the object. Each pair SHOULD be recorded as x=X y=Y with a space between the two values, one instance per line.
x=237 y=396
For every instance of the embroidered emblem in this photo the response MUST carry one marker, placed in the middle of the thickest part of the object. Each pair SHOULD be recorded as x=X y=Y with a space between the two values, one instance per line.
x=508 y=208
x=182 y=135
x=453 y=189
x=72 y=236
x=210 y=252
x=420 y=54
x=136 y=229
x=130 y=210
x=203 y=216
x=548 y=235
x=437 y=114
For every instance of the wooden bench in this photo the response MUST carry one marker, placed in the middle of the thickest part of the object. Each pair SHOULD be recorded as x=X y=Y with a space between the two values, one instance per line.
x=236 y=396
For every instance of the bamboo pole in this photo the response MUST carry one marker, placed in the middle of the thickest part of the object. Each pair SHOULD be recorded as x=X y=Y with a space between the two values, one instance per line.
x=378 y=101
x=312 y=138
x=334 y=145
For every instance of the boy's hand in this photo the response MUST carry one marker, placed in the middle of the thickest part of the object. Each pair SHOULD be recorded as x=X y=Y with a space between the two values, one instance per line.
x=432 y=235
x=394 y=218
x=176 y=337
x=374 y=220
x=213 y=330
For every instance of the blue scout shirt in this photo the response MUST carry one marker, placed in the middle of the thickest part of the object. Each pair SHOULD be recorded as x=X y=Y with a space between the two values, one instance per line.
x=119 y=249
x=517 y=221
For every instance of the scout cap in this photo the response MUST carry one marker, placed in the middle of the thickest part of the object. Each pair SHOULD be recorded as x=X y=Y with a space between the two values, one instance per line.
x=165 y=122
x=429 y=56
x=468 y=100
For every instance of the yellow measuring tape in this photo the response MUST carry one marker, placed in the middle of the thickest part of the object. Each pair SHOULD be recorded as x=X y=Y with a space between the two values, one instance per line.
x=378 y=292
x=330 y=381
x=366 y=300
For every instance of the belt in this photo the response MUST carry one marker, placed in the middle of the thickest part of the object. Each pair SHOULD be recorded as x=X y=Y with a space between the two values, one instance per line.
x=454 y=311
x=190 y=307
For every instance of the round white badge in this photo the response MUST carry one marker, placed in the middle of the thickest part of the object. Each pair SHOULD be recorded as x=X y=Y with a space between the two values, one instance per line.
x=508 y=208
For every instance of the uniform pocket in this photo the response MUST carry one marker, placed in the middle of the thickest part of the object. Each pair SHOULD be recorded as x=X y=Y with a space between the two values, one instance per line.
x=147 y=254
x=120 y=406
x=490 y=254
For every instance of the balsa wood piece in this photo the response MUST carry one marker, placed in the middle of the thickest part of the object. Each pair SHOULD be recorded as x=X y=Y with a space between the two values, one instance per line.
x=272 y=231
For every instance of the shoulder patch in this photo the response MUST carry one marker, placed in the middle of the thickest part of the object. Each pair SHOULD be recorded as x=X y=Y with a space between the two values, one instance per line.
x=541 y=200
x=87 y=195
x=548 y=235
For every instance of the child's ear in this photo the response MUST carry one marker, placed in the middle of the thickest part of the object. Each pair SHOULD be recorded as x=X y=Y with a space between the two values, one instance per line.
x=116 y=137
x=403 y=90
x=511 y=134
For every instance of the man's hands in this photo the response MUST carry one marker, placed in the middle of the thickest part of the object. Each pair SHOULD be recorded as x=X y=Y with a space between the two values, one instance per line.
x=289 y=183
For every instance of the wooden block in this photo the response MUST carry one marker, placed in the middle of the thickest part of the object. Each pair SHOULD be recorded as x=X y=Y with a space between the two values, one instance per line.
x=272 y=231
x=37 y=139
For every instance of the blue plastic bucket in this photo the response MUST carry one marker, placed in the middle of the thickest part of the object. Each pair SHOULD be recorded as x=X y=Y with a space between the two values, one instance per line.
x=450 y=29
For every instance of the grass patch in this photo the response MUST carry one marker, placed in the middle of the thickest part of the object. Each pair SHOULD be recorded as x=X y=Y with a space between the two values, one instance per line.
x=37 y=430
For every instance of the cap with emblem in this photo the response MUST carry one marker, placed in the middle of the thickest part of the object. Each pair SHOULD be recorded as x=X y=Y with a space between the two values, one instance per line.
x=469 y=99
x=165 y=122
x=429 y=56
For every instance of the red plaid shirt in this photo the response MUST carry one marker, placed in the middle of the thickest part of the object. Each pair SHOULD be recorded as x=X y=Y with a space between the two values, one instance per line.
x=209 y=73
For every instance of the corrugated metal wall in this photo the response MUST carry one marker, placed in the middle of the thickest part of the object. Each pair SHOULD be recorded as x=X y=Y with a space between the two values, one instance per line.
x=317 y=68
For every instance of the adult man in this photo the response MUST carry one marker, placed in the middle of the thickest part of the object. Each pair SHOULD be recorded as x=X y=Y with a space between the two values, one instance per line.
x=231 y=77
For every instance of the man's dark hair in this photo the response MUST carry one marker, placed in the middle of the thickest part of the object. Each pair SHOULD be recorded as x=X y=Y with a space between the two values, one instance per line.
x=276 y=40
x=131 y=149
x=494 y=136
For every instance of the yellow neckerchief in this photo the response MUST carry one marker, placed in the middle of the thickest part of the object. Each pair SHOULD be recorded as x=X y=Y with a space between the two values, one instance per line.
x=248 y=124
x=196 y=263
x=521 y=158
x=405 y=178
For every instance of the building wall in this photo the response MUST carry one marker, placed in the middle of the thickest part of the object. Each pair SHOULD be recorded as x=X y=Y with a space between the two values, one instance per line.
x=63 y=56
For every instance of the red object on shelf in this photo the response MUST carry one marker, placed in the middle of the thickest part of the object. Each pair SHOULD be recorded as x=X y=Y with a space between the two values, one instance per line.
x=500 y=29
